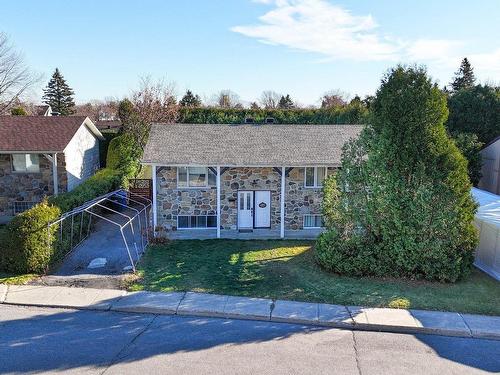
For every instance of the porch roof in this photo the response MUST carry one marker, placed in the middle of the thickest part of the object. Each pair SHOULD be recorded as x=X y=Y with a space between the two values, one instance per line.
x=247 y=144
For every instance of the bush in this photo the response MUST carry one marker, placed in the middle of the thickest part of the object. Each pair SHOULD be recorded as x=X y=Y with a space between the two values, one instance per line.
x=401 y=205
x=470 y=147
x=30 y=244
x=104 y=181
x=124 y=155
x=355 y=113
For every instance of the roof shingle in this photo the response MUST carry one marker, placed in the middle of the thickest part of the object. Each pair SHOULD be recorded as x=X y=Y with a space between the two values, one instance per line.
x=247 y=145
x=37 y=133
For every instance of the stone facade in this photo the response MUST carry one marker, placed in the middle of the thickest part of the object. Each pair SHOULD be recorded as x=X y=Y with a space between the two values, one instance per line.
x=28 y=187
x=299 y=200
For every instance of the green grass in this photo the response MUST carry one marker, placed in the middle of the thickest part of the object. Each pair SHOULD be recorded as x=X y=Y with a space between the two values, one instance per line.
x=287 y=270
x=7 y=278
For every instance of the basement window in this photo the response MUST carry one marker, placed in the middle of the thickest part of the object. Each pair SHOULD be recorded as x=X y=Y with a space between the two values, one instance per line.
x=196 y=221
x=25 y=163
x=313 y=221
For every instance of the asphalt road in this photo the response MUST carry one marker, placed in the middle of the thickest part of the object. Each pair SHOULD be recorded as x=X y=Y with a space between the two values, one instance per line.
x=39 y=340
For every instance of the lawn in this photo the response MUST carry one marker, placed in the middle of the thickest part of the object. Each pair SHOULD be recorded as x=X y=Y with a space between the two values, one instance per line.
x=7 y=278
x=287 y=270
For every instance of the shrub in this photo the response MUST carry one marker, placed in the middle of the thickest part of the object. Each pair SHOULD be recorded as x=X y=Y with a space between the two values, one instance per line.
x=30 y=242
x=401 y=203
x=124 y=155
x=470 y=147
x=104 y=181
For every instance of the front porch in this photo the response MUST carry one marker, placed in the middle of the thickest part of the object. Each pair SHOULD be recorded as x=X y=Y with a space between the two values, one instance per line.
x=255 y=234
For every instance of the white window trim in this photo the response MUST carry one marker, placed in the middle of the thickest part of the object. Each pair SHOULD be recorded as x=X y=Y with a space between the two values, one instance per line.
x=304 y=220
x=206 y=186
x=316 y=186
x=196 y=228
x=23 y=172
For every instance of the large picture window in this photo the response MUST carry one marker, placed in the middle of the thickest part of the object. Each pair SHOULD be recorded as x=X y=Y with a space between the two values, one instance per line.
x=25 y=163
x=193 y=177
x=314 y=176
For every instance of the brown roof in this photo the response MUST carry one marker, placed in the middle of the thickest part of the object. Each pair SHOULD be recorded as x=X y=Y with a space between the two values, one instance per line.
x=37 y=133
x=108 y=124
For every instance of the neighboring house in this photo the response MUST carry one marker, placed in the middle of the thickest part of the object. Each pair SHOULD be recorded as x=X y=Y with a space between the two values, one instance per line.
x=42 y=156
x=490 y=181
x=242 y=181
x=43 y=110
x=110 y=126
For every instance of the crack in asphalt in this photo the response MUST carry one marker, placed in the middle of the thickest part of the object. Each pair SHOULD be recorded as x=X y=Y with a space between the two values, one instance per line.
x=119 y=356
x=356 y=354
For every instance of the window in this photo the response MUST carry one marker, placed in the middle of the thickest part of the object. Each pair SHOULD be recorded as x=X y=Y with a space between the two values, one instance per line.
x=199 y=221
x=314 y=176
x=313 y=221
x=25 y=163
x=193 y=177
x=21 y=206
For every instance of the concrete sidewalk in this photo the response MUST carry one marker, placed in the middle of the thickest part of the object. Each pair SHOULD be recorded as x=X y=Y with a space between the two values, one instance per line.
x=212 y=305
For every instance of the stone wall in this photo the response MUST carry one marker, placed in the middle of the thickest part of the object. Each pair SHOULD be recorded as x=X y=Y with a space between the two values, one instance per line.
x=299 y=200
x=235 y=179
x=28 y=187
x=187 y=201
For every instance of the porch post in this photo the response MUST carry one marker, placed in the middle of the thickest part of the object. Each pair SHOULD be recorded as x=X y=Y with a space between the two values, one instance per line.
x=155 y=209
x=54 y=174
x=218 y=201
x=282 y=201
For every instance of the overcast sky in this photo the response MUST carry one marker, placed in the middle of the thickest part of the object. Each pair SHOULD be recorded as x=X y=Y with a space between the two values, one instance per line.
x=299 y=47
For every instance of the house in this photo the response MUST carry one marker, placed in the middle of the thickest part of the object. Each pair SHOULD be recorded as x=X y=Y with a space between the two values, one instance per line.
x=242 y=181
x=490 y=181
x=109 y=126
x=43 y=110
x=42 y=156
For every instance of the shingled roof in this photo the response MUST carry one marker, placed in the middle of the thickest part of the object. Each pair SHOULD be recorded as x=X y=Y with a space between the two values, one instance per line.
x=40 y=133
x=247 y=145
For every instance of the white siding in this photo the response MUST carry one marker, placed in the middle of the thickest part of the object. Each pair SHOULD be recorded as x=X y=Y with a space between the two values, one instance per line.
x=82 y=157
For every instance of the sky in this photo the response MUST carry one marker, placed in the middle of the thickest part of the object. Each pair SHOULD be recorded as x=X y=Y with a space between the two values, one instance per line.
x=300 y=47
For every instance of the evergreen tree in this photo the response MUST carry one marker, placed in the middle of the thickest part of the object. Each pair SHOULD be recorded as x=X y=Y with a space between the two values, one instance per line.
x=59 y=95
x=190 y=100
x=400 y=205
x=286 y=102
x=464 y=77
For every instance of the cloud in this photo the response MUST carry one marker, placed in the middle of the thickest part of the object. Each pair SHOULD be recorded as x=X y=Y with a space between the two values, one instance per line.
x=332 y=31
x=318 y=26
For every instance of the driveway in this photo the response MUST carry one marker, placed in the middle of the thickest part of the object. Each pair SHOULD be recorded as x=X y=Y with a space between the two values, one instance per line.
x=118 y=343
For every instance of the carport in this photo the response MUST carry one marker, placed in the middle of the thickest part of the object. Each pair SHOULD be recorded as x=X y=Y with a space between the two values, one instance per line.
x=114 y=227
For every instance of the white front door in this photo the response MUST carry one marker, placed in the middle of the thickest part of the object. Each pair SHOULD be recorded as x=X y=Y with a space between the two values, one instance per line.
x=262 y=209
x=245 y=209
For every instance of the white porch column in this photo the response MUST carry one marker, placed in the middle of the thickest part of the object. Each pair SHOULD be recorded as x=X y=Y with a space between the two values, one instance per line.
x=54 y=174
x=282 y=201
x=155 y=209
x=218 y=201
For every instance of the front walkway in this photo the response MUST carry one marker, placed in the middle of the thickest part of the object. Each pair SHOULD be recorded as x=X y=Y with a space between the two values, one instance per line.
x=212 y=305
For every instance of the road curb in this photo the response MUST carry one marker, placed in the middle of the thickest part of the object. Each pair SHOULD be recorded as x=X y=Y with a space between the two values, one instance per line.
x=247 y=308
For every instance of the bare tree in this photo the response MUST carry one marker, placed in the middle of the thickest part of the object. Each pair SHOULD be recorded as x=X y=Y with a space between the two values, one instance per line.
x=226 y=99
x=97 y=110
x=152 y=102
x=15 y=77
x=270 y=99
x=334 y=98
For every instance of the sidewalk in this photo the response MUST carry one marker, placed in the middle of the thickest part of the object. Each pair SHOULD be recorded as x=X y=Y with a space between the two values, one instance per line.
x=212 y=305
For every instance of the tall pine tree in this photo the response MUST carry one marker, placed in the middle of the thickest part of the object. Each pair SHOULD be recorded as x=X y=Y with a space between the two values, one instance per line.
x=464 y=77
x=286 y=102
x=190 y=100
x=59 y=95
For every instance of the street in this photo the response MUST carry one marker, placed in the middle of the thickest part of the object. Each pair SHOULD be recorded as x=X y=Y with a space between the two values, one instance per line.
x=44 y=340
